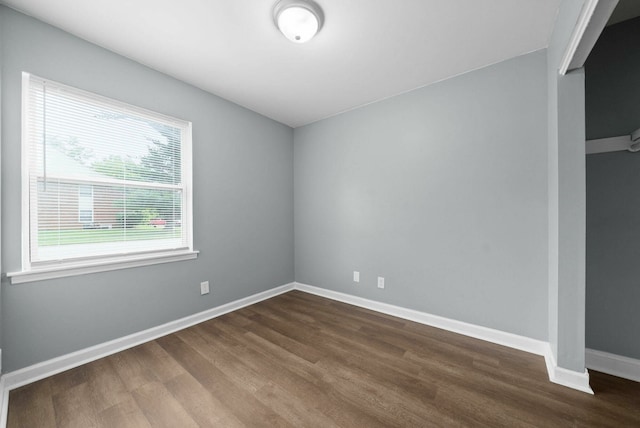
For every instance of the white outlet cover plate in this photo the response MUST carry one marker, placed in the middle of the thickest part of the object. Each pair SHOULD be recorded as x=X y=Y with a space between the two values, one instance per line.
x=356 y=276
x=380 y=282
x=204 y=287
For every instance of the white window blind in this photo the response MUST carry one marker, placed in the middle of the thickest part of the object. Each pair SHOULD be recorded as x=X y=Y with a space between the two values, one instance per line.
x=101 y=178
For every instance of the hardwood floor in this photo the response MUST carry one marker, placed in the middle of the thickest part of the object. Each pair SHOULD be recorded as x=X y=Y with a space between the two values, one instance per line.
x=304 y=361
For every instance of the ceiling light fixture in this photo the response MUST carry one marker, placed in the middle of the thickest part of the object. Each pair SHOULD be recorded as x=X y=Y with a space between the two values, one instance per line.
x=298 y=20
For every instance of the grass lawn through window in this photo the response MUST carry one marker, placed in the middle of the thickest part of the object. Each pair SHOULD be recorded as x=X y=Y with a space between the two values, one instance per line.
x=87 y=236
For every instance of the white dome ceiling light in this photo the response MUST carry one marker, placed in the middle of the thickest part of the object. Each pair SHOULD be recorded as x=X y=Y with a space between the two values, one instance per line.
x=298 y=20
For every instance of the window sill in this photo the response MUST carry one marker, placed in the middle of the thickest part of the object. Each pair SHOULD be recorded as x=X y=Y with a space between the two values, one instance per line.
x=52 y=272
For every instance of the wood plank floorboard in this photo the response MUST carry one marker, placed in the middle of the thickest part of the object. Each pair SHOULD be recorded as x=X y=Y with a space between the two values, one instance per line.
x=299 y=360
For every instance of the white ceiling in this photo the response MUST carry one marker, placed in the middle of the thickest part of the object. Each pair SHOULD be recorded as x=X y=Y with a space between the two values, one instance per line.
x=367 y=50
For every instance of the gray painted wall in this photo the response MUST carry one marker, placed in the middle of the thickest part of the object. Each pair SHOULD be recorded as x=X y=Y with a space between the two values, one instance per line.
x=571 y=223
x=243 y=204
x=613 y=245
x=566 y=197
x=442 y=191
x=449 y=192
x=613 y=82
x=613 y=201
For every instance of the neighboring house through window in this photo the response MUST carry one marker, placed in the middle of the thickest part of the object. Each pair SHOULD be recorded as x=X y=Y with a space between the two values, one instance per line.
x=103 y=181
x=85 y=204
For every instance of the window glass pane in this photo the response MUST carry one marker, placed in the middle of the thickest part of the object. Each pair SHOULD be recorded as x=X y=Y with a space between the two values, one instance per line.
x=104 y=180
x=85 y=203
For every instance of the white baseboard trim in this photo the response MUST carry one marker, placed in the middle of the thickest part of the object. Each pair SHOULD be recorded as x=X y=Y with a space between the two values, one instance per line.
x=559 y=375
x=4 y=402
x=565 y=377
x=616 y=365
x=510 y=340
x=51 y=367
x=24 y=376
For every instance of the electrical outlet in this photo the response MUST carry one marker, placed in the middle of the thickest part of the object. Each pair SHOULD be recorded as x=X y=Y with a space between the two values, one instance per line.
x=204 y=287
x=380 y=282
x=356 y=276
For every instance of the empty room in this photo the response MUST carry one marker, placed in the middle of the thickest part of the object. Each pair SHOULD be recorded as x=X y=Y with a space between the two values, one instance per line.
x=319 y=213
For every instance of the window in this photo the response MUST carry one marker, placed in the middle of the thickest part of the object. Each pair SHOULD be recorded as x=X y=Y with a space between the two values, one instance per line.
x=103 y=181
x=85 y=203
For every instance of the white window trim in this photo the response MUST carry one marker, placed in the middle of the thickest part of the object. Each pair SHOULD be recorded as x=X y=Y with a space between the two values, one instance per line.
x=114 y=263
x=31 y=273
